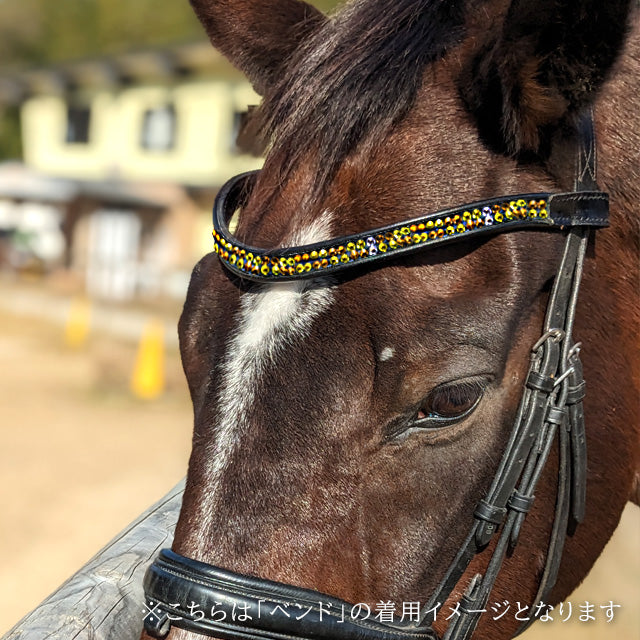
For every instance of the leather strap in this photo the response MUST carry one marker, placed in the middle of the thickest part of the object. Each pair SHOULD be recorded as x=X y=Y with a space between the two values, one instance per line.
x=380 y=245
x=572 y=455
x=198 y=597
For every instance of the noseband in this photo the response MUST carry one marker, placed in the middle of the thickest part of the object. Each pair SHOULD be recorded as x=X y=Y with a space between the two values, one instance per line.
x=551 y=406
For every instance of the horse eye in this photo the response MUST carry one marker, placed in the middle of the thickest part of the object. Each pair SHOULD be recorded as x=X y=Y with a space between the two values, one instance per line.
x=449 y=403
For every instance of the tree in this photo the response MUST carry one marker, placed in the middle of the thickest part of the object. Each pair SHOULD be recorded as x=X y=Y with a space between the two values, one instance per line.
x=39 y=32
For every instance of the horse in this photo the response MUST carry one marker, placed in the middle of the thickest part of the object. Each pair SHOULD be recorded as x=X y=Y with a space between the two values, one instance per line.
x=348 y=424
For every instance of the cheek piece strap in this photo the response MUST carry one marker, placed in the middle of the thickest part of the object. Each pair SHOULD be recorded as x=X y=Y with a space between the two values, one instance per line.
x=211 y=601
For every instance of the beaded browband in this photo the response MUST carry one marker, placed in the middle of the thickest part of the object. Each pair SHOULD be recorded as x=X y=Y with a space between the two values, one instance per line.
x=525 y=211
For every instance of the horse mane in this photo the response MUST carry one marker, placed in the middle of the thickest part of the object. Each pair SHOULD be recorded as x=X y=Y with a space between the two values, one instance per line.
x=353 y=79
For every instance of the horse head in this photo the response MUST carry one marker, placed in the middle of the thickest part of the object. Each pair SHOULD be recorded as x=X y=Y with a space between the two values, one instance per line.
x=348 y=424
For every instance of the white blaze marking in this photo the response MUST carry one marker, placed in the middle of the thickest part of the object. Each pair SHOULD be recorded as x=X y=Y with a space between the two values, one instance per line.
x=387 y=353
x=268 y=321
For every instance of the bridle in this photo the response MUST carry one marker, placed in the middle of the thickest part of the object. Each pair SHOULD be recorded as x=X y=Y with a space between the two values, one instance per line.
x=551 y=406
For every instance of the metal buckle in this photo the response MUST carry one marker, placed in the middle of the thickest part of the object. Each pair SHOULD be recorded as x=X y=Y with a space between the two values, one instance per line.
x=557 y=335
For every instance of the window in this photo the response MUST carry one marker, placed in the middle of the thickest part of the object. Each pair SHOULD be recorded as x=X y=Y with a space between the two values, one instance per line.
x=78 y=122
x=159 y=128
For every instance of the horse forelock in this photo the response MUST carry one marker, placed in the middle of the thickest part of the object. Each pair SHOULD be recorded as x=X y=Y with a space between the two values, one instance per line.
x=354 y=78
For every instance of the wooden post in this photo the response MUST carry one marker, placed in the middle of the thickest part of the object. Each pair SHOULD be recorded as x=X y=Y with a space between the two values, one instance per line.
x=104 y=600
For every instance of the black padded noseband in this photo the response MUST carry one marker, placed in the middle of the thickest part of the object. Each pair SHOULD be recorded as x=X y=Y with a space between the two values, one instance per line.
x=276 y=610
x=205 y=599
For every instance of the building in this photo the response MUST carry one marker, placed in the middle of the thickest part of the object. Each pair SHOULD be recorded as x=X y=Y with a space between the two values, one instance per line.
x=139 y=144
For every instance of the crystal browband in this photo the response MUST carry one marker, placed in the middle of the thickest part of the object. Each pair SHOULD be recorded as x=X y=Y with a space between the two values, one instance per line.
x=534 y=210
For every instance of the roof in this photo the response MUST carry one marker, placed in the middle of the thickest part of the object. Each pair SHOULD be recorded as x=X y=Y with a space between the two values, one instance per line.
x=18 y=182
x=176 y=61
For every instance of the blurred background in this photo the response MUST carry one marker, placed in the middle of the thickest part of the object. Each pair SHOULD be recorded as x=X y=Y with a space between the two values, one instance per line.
x=118 y=124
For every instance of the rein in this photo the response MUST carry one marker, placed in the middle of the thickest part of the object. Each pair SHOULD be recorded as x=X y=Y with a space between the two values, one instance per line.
x=551 y=406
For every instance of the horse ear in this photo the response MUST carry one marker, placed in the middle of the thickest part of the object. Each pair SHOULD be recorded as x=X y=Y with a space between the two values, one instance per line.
x=258 y=36
x=545 y=64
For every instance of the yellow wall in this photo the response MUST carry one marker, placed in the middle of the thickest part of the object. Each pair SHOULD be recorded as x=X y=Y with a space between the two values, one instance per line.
x=202 y=154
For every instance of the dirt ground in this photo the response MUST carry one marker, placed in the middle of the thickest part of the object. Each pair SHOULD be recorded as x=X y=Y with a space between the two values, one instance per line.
x=80 y=458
